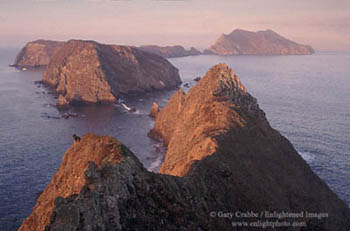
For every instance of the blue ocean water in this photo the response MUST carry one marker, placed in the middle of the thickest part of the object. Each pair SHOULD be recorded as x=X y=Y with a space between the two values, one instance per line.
x=306 y=98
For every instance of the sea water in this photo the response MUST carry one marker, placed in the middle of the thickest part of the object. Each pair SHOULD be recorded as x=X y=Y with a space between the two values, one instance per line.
x=306 y=98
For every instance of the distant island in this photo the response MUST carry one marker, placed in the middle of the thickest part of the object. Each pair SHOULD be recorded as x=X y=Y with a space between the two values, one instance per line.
x=37 y=53
x=90 y=72
x=268 y=42
x=224 y=163
x=170 y=51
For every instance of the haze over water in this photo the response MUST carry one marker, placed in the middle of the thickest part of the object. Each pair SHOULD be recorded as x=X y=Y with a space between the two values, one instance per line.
x=306 y=98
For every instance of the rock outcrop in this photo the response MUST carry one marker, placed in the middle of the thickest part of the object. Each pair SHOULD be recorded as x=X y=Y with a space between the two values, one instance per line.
x=89 y=72
x=223 y=159
x=154 y=110
x=37 y=53
x=62 y=101
x=268 y=42
x=217 y=132
x=170 y=51
x=70 y=178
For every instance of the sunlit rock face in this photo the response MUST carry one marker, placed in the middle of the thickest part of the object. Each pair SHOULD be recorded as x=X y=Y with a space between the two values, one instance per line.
x=89 y=72
x=223 y=158
x=37 y=53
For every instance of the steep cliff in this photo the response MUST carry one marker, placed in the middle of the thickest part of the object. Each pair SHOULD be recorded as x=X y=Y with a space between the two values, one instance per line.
x=37 y=53
x=86 y=71
x=242 y=42
x=217 y=129
x=170 y=51
x=70 y=178
x=229 y=166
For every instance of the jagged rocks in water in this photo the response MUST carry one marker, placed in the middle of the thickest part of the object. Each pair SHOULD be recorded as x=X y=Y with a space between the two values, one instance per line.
x=89 y=72
x=197 y=79
x=268 y=42
x=170 y=51
x=62 y=101
x=37 y=53
x=154 y=110
x=222 y=156
x=187 y=85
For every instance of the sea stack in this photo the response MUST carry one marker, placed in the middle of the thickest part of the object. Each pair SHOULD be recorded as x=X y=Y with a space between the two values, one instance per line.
x=154 y=110
x=170 y=51
x=224 y=164
x=268 y=42
x=89 y=72
x=37 y=53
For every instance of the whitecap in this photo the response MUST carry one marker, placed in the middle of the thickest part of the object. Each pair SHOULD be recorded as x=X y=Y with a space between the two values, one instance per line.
x=156 y=164
x=154 y=167
x=307 y=156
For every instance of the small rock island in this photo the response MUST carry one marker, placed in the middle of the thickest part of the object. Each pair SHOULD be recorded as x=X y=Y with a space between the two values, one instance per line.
x=90 y=72
x=170 y=51
x=37 y=53
x=222 y=156
x=268 y=42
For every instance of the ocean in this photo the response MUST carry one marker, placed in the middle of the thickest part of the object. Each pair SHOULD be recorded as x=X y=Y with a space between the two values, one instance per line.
x=306 y=98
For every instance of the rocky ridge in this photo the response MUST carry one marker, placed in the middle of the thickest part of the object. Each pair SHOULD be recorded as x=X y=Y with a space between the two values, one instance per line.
x=170 y=51
x=37 y=53
x=217 y=132
x=268 y=42
x=69 y=178
x=89 y=72
x=222 y=156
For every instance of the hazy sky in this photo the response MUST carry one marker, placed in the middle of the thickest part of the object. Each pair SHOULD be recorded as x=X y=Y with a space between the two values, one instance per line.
x=324 y=24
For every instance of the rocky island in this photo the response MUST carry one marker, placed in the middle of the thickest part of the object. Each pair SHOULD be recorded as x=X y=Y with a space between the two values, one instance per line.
x=90 y=72
x=268 y=42
x=170 y=51
x=37 y=53
x=223 y=157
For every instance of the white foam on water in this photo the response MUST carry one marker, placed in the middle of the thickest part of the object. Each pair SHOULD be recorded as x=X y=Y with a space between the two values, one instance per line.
x=156 y=164
x=307 y=156
x=139 y=112
x=158 y=161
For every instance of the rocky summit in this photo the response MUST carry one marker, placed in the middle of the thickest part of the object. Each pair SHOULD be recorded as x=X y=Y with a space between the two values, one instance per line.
x=70 y=178
x=268 y=42
x=170 y=51
x=224 y=165
x=218 y=134
x=37 y=53
x=89 y=72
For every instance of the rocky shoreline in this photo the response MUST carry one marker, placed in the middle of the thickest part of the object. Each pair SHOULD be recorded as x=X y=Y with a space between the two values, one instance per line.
x=37 y=54
x=85 y=72
x=222 y=157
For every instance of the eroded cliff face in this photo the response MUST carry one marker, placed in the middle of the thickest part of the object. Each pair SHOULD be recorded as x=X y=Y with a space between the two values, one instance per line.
x=70 y=177
x=241 y=42
x=217 y=133
x=37 y=53
x=217 y=103
x=86 y=71
x=222 y=156
x=170 y=51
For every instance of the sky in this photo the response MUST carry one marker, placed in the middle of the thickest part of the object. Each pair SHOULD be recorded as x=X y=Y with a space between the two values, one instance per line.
x=323 y=24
